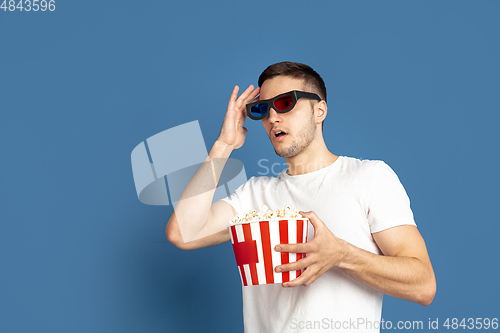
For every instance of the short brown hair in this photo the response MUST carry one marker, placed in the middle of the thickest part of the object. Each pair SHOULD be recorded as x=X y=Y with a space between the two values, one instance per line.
x=312 y=79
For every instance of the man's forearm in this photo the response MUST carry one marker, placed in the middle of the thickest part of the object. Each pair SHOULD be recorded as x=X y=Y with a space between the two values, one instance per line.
x=189 y=221
x=407 y=278
x=191 y=212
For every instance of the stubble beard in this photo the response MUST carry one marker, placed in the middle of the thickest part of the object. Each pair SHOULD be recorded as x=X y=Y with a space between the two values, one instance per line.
x=303 y=140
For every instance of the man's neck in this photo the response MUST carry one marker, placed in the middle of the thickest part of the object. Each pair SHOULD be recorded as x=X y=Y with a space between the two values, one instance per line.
x=311 y=159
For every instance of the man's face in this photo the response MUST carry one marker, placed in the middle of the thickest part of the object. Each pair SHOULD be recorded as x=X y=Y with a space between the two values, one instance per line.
x=298 y=124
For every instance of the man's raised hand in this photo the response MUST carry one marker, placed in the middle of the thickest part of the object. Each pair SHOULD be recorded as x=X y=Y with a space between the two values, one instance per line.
x=232 y=132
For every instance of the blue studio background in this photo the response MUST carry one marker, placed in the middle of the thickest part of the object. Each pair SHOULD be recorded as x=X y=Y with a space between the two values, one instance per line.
x=413 y=83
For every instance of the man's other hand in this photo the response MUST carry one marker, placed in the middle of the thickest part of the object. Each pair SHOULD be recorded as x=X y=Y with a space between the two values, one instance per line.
x=322 y=253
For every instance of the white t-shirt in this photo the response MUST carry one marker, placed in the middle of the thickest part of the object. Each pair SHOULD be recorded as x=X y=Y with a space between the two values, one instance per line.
x=354 y=198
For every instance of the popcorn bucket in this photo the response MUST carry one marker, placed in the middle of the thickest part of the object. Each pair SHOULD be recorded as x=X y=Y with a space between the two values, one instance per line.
x=253 y=245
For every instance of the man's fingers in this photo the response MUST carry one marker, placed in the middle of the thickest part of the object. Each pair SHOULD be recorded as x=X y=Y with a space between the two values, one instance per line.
x=245 y=94
x=315 y=220
x=309 y=214
x=302 y=279
x=311 y=274
x=232 y=99
x=294 y=266
x=294 y=248
x=252 y=95
x=315 y=276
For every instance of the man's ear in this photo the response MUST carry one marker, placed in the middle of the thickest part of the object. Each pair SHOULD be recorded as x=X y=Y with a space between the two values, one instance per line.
x=321 y=111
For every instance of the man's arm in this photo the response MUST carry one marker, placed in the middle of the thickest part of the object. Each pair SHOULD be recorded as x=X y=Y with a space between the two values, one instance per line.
x=404 y=271
x=219 y=214
x=196 y=222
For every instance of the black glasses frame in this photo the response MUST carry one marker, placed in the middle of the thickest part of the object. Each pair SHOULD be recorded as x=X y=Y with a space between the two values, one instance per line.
x=296 y=95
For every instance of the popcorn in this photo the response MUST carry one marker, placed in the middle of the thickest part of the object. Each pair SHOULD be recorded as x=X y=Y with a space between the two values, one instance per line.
x=266 y=214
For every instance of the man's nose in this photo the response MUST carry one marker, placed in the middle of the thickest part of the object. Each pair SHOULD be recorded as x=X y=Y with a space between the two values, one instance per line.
x=274 y=116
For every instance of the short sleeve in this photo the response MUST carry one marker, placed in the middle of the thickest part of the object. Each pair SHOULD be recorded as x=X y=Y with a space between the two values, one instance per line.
x=239 y=196
x=389 y=205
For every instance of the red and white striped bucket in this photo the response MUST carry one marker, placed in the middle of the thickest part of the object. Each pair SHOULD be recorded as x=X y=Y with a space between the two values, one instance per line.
x=253 y=245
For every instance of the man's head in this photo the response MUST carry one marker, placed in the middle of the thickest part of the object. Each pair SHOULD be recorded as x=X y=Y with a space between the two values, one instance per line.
x=312 y=80
x=304 y=122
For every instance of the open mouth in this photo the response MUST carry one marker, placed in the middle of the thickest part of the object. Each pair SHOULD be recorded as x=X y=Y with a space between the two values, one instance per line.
x=279 y=135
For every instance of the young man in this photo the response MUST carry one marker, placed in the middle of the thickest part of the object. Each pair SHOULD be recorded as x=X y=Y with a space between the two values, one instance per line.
x=365 y=243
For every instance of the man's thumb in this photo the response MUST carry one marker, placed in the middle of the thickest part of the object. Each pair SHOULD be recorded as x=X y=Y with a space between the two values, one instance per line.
x=315 y=221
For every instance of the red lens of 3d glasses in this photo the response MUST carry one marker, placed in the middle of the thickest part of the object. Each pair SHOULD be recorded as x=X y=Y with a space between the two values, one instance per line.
x=283 y=103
